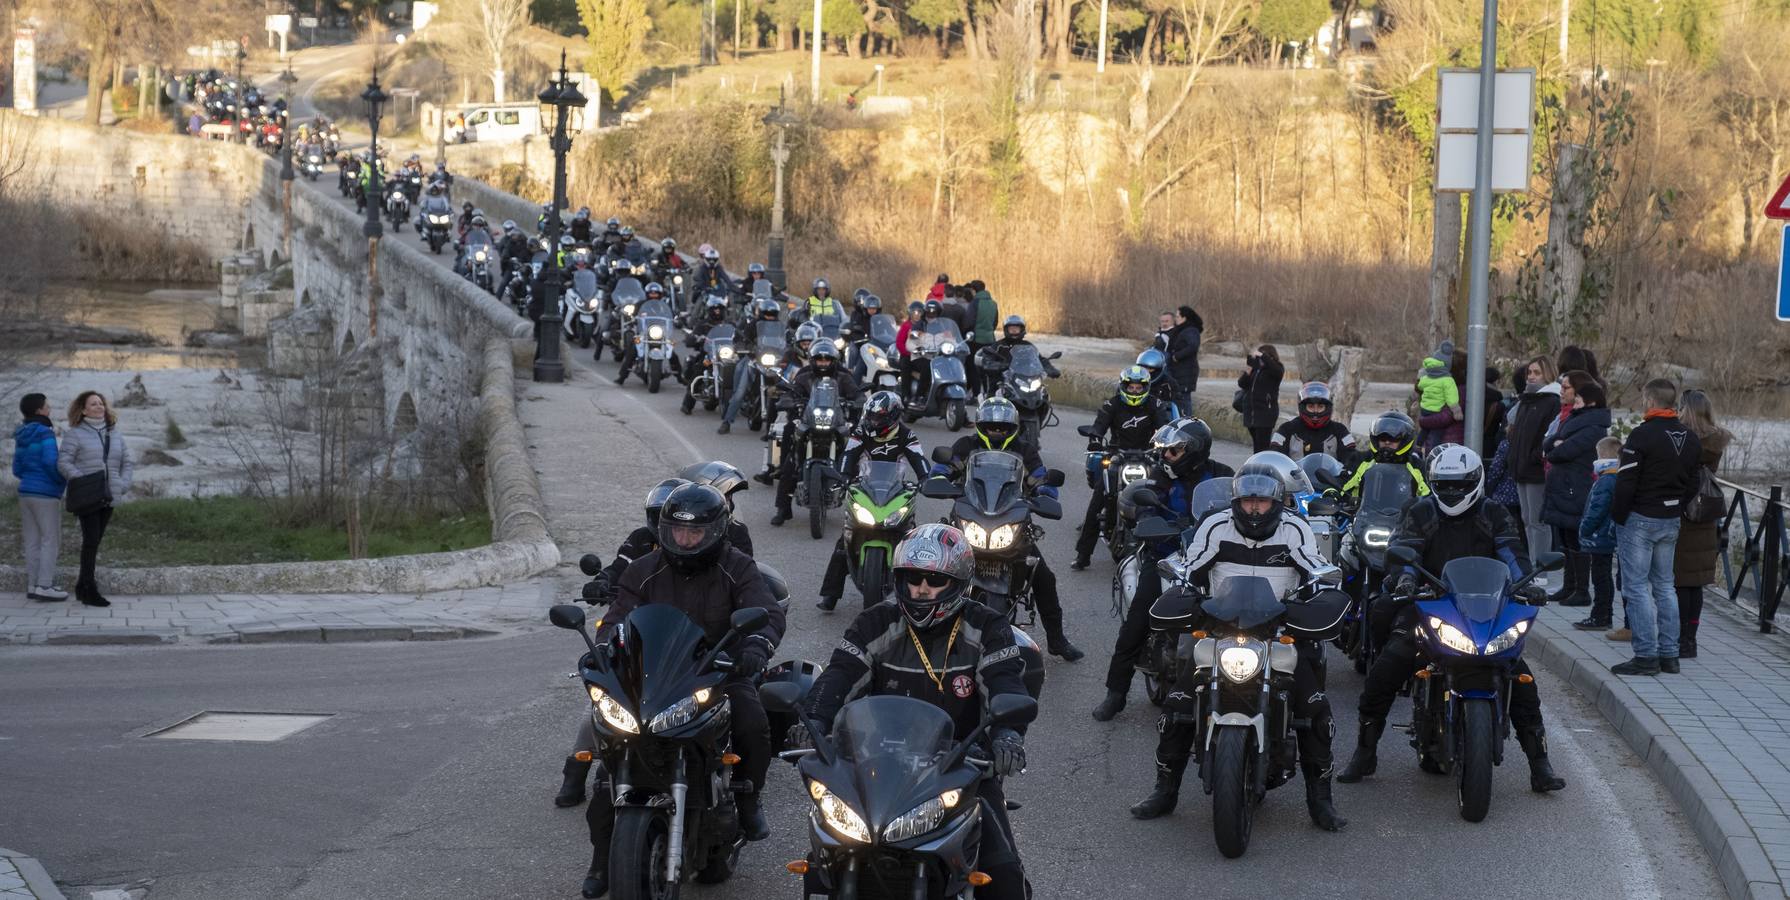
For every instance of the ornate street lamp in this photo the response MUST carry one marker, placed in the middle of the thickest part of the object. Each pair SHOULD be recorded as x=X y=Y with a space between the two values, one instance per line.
x=781 y=120
x=562 y=95
x=288 y=79
x=242 y=56
x=374 y=97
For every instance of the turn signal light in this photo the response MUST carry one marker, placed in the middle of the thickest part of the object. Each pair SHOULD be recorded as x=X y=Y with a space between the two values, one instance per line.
x=1199 y=635
x=1526 y=679
x=797 y=867
x=582 y=756
x=980 y=879
x=732 y=759
x=1286 y=639
x=1423 y=674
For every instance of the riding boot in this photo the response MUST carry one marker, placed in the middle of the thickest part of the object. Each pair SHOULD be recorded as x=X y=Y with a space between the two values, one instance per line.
x=1534 y=740
x=1317 y=798
x=1111 y=706
x=1366 y=758
x=1055 y=642
x=1162 y=799
x=752 y=820
x=596 y=879
x=571 y=789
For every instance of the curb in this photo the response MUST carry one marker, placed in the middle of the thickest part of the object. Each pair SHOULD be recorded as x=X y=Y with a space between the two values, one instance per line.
x=251 y=634
x=1740 y=860
x=37 y=879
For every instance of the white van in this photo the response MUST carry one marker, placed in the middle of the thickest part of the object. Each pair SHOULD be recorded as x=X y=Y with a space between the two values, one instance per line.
x=494 y=122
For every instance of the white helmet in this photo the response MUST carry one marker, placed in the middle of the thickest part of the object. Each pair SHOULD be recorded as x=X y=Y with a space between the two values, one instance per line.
x=1456 y=479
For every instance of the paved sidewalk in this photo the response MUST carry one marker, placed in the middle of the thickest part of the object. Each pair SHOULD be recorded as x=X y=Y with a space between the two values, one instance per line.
x=1716 y=736
x=23 y=878
x=290 y=618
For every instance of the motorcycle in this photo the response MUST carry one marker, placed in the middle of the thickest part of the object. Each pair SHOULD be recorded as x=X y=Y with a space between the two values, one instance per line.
x=1237 y=671
x=1328 y=520
x=579 y=303
x=879 y=513
x=1157 y=662
x=438 y=218
x=662 y=722
x=1385 y=491
x=1115 y=470
x=653 y=333
x=818 y=443
x=874 y=363
x=480 y=261
x=896 y=808
x=995 y=515
x=1022 y=381
x=770 y=374
x=943 y=351
x=397 y=205
x=714 y=383
x=311 y=163
x=1469 y=636
x=620 y=308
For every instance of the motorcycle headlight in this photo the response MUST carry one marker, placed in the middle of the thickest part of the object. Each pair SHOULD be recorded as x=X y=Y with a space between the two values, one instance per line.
x=628 y=310
x=863 y=515
x=724 y=352
x=656 y=332
x=1453 y=638
x=983 y=539
x=839 y=818
x=613 y=713
x=1031 y=384
x=947 y=348
x=1131 y=472
x=1240 y=664
x=975 y=534
x=823 y=418
x=1508 y=639
x=479 y=256
x=923 y=818
x=839 y=343
x=681 y=712
x=677 y=279
x=767 y=359
x=1378 y=538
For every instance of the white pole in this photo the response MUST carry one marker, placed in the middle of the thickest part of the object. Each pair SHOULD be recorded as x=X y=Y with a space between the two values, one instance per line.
x=814 y=62
x=1101 y=65
x=1477 y=303
x=1565 y=17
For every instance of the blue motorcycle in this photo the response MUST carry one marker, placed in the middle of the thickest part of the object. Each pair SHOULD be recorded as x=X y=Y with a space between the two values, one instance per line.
x=1469 y=637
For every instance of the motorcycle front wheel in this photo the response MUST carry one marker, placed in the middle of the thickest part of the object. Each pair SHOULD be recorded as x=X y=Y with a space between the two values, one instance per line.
x=1232 y=811
x=954 y=417
x=1479 y=730
x=873 y=574
x=637 y=855
x=655 y=373
x=817 y=508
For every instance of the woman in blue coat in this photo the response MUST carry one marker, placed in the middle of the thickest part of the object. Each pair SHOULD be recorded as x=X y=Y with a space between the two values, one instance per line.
x=40 y=496
x=1570 y=452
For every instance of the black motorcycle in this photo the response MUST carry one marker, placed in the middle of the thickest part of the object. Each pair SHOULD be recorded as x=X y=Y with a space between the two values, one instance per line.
x=816 y=446
x=662 y=720
x=896 y=798
x=1385 y=491
x=1151 y=523
x=712 y=382
x=1022 y=381
x=1114 y=470
x=994 y=513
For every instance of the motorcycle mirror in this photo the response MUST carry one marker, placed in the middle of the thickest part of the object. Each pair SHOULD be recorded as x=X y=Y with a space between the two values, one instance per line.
x=590 y=564
x=1086 y=431
x=941 y=455
x=1328 y=575
x=749 y=619
x=781 y=696
x=1550 y=562
x=1167 y=570
x=1056 y=355
x=1046 y=507
x=1143 y=496
x=938 y=487
x=1321 y=507
x=566 y=615
x=1053 y=477
x=1402 y=555
x=1154 y=528
x=1009 y=710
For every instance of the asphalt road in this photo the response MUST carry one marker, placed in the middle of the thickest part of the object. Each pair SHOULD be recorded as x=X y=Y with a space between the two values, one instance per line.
x=434 y=776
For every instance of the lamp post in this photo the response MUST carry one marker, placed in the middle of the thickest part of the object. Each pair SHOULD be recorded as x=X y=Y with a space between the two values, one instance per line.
x=286 y=174
x=562 y=95
x=374 y=97
x=781 y=119
x=242 y=56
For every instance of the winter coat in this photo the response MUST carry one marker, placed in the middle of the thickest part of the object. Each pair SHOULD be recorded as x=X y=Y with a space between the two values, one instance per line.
x=1183 y=352
x=1535 y=411
x=1499 y=487
x=988 y=318
x=1694 y=560
x=83 y=453
x=34 y=460
x=1261 y=387
x=1570 y=454
x=1597 y=533
x=1442 y=428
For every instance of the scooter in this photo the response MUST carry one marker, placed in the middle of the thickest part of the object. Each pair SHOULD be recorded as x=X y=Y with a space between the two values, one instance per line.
x=943 y=351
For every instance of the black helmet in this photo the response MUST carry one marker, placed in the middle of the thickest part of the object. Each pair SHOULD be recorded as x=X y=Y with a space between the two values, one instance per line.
x=932 y=553
x=583 y=214
x=1396 y=433
x=716 y=309
x=1184 y=445
x=933 y=307
x=668 y=245
x=873 y=304
x=613 y=224
x=693 y=526
x=997 y=422
x=823 y=349
x=1257 y=482
x=882 y=415
x=857 y=296
x=655 y=499
x=718 y=474
x=768 y=310
x=1011 y=323
x=755 y=269
x=806 y=337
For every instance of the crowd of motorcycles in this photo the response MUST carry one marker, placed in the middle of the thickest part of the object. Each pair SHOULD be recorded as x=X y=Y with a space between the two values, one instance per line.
x=886 y=818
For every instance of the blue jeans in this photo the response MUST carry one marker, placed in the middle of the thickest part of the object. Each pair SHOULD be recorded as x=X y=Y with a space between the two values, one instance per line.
x=1644 y=548
x=743 y=377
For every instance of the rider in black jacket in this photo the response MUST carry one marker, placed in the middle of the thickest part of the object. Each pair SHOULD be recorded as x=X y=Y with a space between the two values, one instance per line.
x=880 y=436
x=823 y=363
x=933 y=644
x=1130 y=416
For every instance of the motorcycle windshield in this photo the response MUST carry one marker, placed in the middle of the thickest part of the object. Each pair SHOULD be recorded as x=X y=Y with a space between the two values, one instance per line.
x=883 y=330
x=655 y=309
x=1385 y=490
x=584 y=282
x=823 y=401
x=719 y=335
x=1245 y=601
x=946 y=331
x=882 y=481
x=661 y=647
x=478 y=238
x=761 y=290
x=994 y=480
x=1477 y=585
x=1210 y=496
x=1024 y=365
x=829 y=325
x=628 y=290
x=894 y=744
x=771 y=338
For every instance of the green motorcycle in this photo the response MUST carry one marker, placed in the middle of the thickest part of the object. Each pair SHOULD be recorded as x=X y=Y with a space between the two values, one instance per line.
x=879 y=512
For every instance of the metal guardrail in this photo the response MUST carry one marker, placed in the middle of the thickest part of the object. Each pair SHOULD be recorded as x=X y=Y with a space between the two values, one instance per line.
x=1758 y=563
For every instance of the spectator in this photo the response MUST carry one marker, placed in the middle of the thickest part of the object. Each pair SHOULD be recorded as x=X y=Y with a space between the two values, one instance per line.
x=1260 y=383
x=1577 y=359
x=1571 y=453
x=195 y=124
x=1537 y=407
x=1494 y=399
x=1498 y=485
x=1693 y=563
x=939 y=288
x=1439 y=399
x=1165 y=324
x=985 y=316
x=1597 y=538
x=905 y=344
x=91 y=445
x=1183 y=352
x=40 y=496
x=1658 y=472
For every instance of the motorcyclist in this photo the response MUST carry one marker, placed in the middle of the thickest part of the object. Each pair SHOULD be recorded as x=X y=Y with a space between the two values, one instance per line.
x=1391 y=441
x=696 y=570
x=1313 y=431
x=714 y=313
x=820 y=303
x=477 y=234
x=580 y=228
x=547 y=211
x=864 y=306
x=630 y=350
x=933 y=644
x=435 y=203
x=465 y=220
x=1452 y=522
x=795 y=357
x=823 y=362
x=1184 y=448
x=880 y=436
x=1130 y=416
x=368 y=170
x=1013 y=336
x=997 y=428
x=513 y=247
x=667 y=259
x=1162 y=385
x=1256 y=537
x=765 y=311
x=920 y=341
x=710 y=277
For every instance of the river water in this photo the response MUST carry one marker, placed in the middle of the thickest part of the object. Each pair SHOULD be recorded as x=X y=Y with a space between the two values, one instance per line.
x=160 y=316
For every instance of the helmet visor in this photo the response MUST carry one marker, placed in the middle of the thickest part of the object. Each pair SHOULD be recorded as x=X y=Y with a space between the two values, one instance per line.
x=1135 y=388
x=1453 y=492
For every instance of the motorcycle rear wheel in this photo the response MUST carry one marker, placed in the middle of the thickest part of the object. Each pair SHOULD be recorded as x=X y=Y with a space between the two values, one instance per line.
x=1479 y=730
x=637 y=856
x=1232 y=811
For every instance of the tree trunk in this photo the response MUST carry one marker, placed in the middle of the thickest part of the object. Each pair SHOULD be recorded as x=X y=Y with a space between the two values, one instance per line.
x=97 y=67
x=1445 y=265
x=497 y=85
x=1563 y=258
x=971 y=41
x=1060 y=30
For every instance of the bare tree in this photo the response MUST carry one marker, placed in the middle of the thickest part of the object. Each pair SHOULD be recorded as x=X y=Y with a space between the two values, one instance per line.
x=488 y=31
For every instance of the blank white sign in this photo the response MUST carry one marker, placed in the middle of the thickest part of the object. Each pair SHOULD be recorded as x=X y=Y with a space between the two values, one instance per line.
x=1457 y=99
x=1457 y=162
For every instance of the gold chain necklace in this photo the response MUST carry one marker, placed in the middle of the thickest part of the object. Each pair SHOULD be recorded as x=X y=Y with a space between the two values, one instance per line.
x=926 y=661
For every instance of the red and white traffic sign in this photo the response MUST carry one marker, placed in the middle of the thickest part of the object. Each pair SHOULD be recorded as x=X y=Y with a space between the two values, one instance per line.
x=1779 y=205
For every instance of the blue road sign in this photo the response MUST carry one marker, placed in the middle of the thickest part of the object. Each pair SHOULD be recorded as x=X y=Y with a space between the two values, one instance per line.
x=1784 y=278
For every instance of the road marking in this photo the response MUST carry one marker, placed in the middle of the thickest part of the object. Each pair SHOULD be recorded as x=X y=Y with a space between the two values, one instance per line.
x=1586 y=776
x=240 y=726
